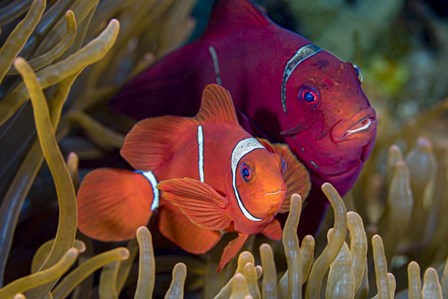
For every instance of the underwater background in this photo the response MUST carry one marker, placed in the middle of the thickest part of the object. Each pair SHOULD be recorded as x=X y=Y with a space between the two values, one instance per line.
x=388 y=237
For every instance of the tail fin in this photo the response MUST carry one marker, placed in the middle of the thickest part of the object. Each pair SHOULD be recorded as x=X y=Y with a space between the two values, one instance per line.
x=113 y=203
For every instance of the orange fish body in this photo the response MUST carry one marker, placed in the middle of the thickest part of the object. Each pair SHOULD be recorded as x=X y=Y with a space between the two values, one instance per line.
x=206 y=175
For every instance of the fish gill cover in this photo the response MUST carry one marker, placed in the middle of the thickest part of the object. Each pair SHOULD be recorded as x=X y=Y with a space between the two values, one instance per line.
x=401 y=194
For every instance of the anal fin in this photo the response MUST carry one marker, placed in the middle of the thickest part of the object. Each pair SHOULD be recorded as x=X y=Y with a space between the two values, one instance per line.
x=188 y=236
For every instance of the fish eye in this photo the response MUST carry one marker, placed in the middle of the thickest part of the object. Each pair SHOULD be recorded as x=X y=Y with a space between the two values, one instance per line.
x=246 y=172
x=310 y=95
x=358 y=72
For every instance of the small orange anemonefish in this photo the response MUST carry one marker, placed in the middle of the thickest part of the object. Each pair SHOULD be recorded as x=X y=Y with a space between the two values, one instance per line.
x=205 y=174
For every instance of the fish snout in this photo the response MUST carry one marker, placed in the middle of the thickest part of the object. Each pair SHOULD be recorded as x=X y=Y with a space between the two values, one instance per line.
x=361 y=126
x=276 y=199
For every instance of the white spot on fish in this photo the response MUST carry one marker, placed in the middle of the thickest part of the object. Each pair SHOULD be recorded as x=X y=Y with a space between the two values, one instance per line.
x=314 y=164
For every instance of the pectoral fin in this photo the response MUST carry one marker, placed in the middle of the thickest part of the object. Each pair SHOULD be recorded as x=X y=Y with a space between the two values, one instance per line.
x=295 y=174
x=198 y=201
x=297 y=177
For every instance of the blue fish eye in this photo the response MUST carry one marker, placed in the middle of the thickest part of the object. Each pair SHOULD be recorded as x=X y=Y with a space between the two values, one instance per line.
x=246 y=173
x=309 y=96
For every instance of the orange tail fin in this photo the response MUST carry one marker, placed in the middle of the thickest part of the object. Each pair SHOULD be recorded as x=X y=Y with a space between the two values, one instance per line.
x=113 y=203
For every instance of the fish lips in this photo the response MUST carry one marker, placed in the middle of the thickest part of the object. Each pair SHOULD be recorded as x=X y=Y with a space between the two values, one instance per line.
x=275 y=199
x=352 y=144
x=353 y=152
x=354 y=139
x=338 y=153
x=276 y=205
x=360 y=128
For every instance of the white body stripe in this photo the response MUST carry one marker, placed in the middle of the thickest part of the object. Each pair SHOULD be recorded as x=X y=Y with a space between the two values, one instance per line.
x=301 y=55
x=153 y=182
x=214 y=56
x=201 y=153
x=243 y=147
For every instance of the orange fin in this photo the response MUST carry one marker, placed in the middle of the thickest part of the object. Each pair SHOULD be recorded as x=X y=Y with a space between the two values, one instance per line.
x=273 y=230
x=178 y=229
x=296 y=176
x=232 y=249
x=151 y=141
x=113 y=203
x=198 y=201
x=216 y=106
x=266 y=144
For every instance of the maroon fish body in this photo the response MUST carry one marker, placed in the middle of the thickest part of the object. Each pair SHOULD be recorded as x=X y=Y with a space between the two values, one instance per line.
x=284 y=88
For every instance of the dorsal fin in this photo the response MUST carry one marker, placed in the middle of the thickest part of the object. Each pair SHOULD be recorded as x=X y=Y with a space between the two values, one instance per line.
x=230 y=15
x=216 y=106
x=151 y=141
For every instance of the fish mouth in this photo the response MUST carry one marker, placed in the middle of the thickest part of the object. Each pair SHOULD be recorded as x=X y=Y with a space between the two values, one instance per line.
x=362 y=125
x=360 y=129
x=276 y=204
x=274 y=192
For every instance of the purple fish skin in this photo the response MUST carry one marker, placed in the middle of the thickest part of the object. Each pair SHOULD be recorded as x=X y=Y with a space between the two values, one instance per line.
x=323 y=114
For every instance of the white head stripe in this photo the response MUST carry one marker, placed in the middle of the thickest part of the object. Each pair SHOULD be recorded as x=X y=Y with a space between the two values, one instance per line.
x=301 y=55
x=153 y=182
x=201 y=153
x=243 y=147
